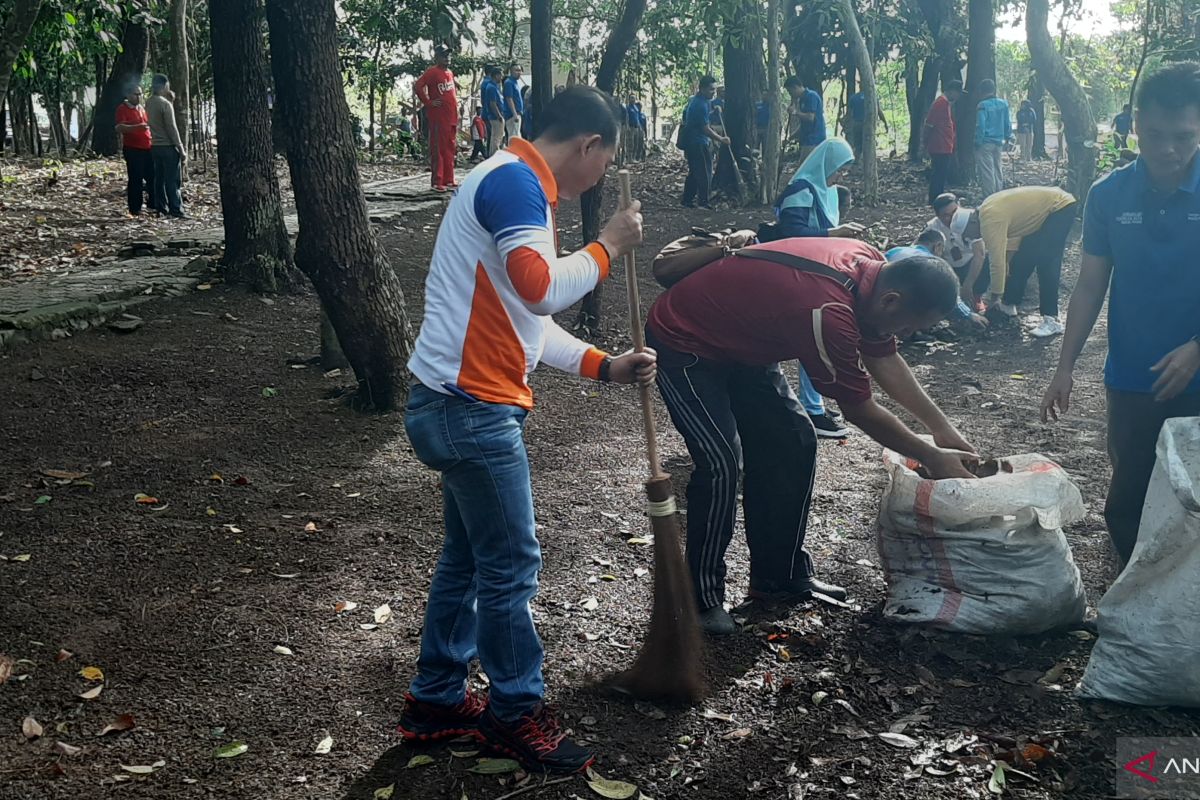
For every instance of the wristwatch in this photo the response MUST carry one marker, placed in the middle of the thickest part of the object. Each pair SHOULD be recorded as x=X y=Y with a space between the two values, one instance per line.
x=605 y=368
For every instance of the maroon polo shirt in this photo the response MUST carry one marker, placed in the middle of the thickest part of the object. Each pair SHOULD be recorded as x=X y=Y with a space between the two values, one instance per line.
x=746 y=311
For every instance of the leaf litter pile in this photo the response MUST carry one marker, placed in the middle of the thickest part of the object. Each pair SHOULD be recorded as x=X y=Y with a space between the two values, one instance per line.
x=212 y=589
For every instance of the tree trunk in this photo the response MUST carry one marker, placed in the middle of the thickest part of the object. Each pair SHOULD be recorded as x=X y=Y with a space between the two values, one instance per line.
x=619 y=40
x=772 y=145
x=34 y=129
x=18 y=110
x=336 y=247
x=12 y=38
x=127 y=69
x=541 y=71
x=1137 y=75
x=745 y=77
x=981 y=64
x=180 y=74
x=3 y=124
x=57 y=135
x=918 y=106
x=257 y=249
x=858 y=50
x=1037 y=96
x=1073 y=105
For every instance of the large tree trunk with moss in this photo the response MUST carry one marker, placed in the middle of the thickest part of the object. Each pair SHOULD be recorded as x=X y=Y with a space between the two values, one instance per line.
x=257 y=250
x=1073 y=105
x=619 y=41
x=179 y=71
x=127 y=70
x=12 y=38
x=866 y=76
x=981 y=65
x=336 y=247
x=745 y=78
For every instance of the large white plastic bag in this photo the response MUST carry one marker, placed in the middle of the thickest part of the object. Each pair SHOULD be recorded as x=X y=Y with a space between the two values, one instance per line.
x=981 y=556
x=1148 y=652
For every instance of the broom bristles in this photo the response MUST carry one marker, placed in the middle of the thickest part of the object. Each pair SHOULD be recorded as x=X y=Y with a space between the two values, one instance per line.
x=670 y=664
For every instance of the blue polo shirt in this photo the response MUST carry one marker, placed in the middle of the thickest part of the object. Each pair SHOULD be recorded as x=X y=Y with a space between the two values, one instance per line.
x=1152 y=239
x=696 y=117
x=812 y=133
x=1123 y=123
x=961 y=309
x=512 y=91
x=857 y=105
x=489 y=93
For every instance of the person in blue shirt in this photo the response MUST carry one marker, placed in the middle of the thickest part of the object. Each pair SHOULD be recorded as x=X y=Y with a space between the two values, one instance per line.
x=856 y=109
x=514 y=103
x=1141 y=237
x=762 y=120
x=809 y=113
x=1026 y=119
x=1122 y=125
x=933 y=242
x=493 y=111
x=694 y=135
x=993 y=130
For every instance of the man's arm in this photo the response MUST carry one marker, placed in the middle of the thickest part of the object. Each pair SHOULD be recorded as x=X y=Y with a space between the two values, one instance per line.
x=1087 y=299
x=978 y=254
x=712 y=134
x=896 y=379
x=883 y=426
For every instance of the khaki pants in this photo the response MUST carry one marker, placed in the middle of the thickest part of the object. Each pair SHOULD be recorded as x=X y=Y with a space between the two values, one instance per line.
x=1025 y=142
x=495 y=136
x=512 y=127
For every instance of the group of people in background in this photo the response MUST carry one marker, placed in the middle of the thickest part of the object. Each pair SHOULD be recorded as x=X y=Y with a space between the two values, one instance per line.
x=153 y=150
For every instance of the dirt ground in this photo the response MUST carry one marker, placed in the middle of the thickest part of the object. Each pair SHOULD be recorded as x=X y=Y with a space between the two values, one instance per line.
x=273 y=503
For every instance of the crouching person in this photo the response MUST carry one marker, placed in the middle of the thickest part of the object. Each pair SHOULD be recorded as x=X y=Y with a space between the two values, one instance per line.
x=835 y=305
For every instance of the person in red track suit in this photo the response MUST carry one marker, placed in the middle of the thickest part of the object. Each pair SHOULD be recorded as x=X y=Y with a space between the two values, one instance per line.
x=435 y=90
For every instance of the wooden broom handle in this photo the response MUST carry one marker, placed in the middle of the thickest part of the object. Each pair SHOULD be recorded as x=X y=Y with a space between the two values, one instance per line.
x=639 y=337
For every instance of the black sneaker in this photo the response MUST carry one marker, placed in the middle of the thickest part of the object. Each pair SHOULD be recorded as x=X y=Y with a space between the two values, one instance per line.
x=537 y=740
x=829 y=426
x=796 y=591
x=429 y=722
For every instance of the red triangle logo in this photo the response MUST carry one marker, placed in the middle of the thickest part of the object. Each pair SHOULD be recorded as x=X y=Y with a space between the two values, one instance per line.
x=1148 y=760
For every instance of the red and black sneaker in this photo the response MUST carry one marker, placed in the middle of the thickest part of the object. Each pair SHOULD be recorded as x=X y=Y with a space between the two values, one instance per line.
x=537 y=740
x=429 y=722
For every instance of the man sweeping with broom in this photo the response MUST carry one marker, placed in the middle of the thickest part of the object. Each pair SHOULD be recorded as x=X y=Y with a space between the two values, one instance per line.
x=720 y=334
x=494 y=280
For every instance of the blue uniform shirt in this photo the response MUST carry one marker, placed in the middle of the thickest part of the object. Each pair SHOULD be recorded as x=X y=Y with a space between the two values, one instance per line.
x=961 y=309
x=762 y=115
x=812 y=133
x=992 y=123
x=489 y=93
x=1152 y=239
x=1123 y=123
x=512 y=90
x=857 y=105
x=696 y=117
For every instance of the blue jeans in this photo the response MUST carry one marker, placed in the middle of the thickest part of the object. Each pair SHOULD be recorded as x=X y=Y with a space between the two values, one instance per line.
x=167 y=179
x=488 y=572
x=814 y=403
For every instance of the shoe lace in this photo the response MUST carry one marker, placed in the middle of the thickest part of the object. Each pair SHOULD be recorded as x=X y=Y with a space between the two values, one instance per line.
x=472 y=706
x=541 y=730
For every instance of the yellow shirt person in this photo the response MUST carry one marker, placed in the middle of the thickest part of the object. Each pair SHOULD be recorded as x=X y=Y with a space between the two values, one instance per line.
x=1006 y=217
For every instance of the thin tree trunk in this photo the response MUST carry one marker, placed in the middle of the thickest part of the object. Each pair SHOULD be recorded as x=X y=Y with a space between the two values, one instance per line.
x=615 y=48
x=1037 y=96
x=336 y=247
x=858 y=49
x=257 y=249
x=1137 y=75
x=33 y=126
x=772 y=145
x=1072 y=100
x=127 y=70
x=180 y=74
x=541 y=73
x=742 y=59
x=12 y=38
x=981 y=65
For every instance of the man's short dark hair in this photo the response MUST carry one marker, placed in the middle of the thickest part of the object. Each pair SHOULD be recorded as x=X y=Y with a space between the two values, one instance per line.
x=793 y=80
x=493 y=71
x=944 y=199
x=707 y=80
x=513 y=66
x=931 y=238
x=927 y=283
x=986 y=86
x=1172 y=87
x=158 y=81
x=952 y=86
x=582 y=110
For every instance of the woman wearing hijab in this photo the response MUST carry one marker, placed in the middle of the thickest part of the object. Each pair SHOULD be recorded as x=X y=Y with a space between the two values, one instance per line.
x=812 y=205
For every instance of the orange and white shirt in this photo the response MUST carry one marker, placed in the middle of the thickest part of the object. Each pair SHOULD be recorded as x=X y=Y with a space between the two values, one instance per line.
x=494 y=281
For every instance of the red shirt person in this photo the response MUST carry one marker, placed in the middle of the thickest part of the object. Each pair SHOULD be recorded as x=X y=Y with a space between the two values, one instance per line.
x=940 y=136
x=836 y=305
x=134 y=128
x=435 y=90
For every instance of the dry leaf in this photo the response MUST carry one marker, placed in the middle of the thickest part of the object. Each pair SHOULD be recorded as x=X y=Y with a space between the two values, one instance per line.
x=384 y=792
x=231 y=750
x=494 y=766
x=63 y=655
x=368 y=626
x=122 y=723
x=590 y=604
x=93 y=693
x=143 y=770
x=6 y=667
x=344 y=605
x=287 y=576
x=898 y=740
x=419 y=761
x=740 y=733
x=283 y=651
x=145 y=499
x=710 y=714
x=216 y=478
x=64 y=474
x=324 y=746
x=67 y=749
x=91 y=674
x=383 y=614
x=22 y=557
x=31 y=728
x=311 y=528
x=616 y=790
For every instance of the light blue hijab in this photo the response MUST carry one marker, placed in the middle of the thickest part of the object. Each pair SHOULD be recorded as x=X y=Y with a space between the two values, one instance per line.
x=825 y=159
